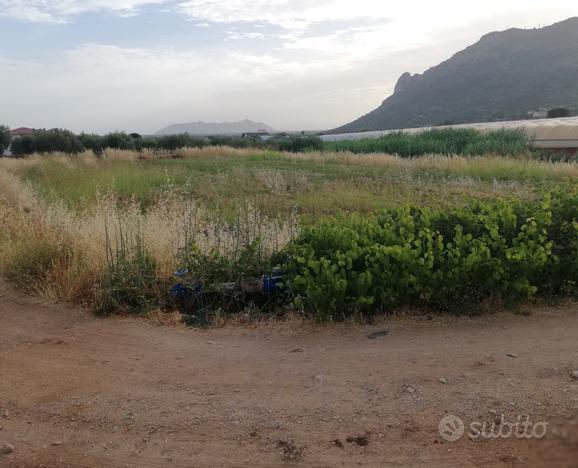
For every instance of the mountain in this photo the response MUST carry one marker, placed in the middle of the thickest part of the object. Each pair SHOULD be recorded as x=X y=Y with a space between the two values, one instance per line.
x=506 y=75
x=224 y=128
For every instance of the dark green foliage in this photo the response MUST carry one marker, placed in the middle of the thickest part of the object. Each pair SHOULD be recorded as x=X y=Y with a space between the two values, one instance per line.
x=300 y=144
x=419 y=257
x=92 y=142
x=175 y=142
x=118 y=140
x=559 y=112
x=4 y=139
x=129 y=283
x=252 y=141
x=214 y=267
x=465 y=142
x=47 y=141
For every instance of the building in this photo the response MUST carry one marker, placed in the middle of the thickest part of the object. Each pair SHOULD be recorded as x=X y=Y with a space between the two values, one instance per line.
x=20 y=132
x=17 y=133
x=553 y=134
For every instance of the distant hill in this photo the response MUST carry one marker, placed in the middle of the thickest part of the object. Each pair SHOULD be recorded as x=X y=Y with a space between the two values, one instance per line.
x=224 y=128
x=505 y=76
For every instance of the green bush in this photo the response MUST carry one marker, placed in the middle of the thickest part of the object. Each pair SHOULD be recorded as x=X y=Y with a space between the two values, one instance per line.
x=175 y=142
x=119 y=140
x=559 y=112
x=299 y=144
x=465 y=142
x=47 y=141
x=4 y=139
x=419 y=257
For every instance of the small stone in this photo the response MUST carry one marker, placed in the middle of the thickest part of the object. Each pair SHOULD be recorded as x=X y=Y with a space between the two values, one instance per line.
x=409 y=389
x=443 y=381
x=378 y=334
x=511 y=355
x=57 y=443
x=574 y=375
x=297 y=350
x=7 y=449
x=320 y=378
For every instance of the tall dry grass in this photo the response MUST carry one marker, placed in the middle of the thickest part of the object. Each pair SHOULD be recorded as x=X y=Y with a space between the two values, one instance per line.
x=451 y=164
x=459 y=165
x=51 y=250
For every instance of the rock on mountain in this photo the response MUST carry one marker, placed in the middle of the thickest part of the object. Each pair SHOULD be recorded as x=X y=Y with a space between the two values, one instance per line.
x=224 y=128
x=506 y=75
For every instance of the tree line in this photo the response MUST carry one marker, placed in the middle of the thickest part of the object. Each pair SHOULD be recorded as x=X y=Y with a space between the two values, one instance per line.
x=65 y=141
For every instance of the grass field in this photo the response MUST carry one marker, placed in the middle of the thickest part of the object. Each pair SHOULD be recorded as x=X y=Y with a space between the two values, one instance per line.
x=311 y=184
x=63 y=218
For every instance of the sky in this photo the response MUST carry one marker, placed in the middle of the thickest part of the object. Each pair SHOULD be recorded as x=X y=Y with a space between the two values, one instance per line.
x=140 y=65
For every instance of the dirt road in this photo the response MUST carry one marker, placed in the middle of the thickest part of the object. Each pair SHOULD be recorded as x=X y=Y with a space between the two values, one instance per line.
x=76 y=390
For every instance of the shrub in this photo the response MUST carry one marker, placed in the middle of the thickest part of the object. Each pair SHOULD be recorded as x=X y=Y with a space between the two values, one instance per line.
x=118 y=140
x=507 y=250
x=47 y=141
x=4 y=139
x=466 y=142
x=300 y=144
x=175 y=142
x=92 y=142
x=558 y=112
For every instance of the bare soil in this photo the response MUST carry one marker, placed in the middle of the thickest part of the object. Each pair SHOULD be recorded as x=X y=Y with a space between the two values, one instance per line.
x=80 y=391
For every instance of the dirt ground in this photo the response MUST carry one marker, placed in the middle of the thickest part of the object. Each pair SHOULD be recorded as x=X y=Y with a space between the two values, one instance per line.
x=80 y=391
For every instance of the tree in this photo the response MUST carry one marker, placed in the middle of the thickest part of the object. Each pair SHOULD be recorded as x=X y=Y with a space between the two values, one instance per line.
x=47 y=141
x=4 y=139
x=559 y=112
x=118 y=140
x=92 y=142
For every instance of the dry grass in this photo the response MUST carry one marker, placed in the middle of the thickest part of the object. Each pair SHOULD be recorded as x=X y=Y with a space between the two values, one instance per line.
x=450 y=164
x=50 y=250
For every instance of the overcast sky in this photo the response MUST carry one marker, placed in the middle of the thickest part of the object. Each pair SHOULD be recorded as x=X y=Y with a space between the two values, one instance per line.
x=139 y=65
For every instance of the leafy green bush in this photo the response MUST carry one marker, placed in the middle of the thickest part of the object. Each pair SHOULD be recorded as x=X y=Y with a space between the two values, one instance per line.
x=466 y=142
x=507 y=250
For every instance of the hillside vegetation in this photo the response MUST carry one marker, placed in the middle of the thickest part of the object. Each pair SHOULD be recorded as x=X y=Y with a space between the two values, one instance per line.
x=505 y=76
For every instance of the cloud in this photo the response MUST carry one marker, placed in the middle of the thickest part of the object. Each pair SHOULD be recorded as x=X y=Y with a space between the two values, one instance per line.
x=293 y=64
x=58 y=11
x=130 y=88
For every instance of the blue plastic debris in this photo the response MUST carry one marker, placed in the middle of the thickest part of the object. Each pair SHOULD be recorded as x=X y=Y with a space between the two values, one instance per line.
x=268 y=285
